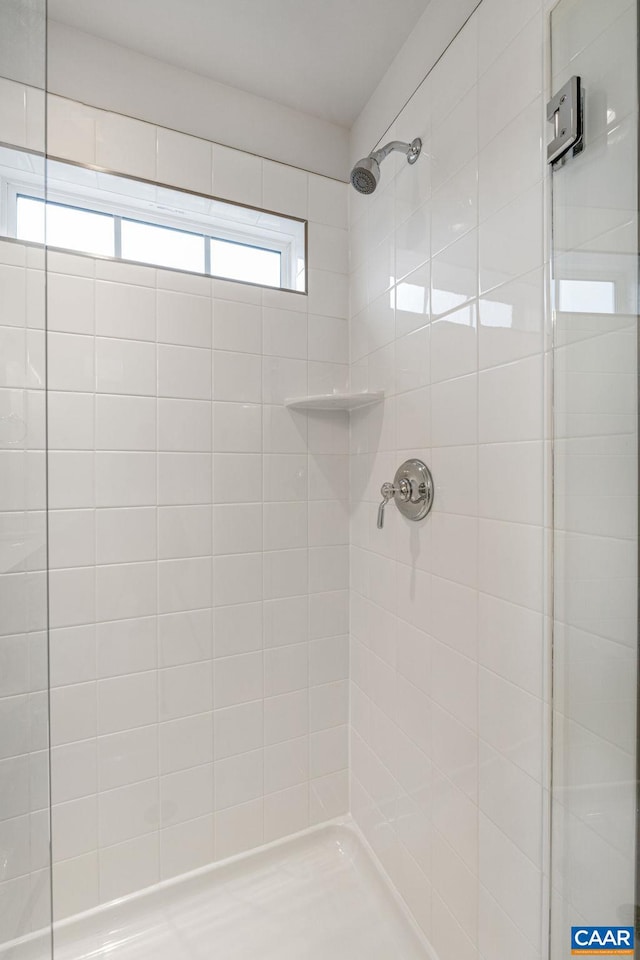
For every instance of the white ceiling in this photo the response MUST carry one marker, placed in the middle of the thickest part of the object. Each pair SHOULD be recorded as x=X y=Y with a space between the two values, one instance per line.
x=324 y=57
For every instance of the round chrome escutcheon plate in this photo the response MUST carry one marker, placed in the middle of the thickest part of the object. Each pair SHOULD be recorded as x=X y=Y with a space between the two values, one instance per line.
x=418 y=476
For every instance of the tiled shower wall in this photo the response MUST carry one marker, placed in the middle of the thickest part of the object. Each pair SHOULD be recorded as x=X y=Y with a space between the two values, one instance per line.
x=448 y=641
x=198 y=535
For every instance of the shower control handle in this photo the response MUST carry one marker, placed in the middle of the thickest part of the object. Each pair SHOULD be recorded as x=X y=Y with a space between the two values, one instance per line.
x=412 y=490
x=389 y=491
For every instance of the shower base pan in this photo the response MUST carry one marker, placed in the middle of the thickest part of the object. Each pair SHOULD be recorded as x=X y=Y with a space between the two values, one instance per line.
x=317 y=896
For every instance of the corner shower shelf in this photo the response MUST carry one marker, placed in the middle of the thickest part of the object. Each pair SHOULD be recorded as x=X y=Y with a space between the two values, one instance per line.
x=335 y=401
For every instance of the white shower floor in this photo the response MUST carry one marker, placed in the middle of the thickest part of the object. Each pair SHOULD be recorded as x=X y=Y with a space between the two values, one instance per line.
x=316 y=897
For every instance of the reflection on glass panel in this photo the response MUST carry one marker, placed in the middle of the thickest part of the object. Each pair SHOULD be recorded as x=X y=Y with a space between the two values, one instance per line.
x=411 y=297
x=25 y=887
x=237 y=261
x=595 y=460
x=587 y=296
x=162 y=246
x=67 y=227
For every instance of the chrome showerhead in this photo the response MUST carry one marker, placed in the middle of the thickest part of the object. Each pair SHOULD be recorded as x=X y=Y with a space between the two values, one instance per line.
x=366 y=173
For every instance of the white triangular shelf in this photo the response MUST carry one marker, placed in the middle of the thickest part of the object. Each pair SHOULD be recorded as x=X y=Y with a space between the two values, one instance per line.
x=335 y=401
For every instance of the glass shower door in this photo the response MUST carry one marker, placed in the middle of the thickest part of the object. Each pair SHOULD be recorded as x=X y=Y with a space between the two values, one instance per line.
x=594 y=298
x=25 y=880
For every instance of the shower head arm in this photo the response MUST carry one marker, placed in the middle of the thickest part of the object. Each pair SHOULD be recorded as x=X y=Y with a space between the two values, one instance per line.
x=412 y=150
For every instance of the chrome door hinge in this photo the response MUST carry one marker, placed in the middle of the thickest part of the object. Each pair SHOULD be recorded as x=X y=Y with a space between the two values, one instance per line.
x=565 y=112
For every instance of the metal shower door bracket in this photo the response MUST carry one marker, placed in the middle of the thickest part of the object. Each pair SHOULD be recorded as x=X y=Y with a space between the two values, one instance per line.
x=565 y=112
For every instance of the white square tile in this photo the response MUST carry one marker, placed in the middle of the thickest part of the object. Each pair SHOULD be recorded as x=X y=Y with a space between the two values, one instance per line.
x=283 y=379
x=238 y=528
x=328 y=660
x=327 y=201
x=184 y=532
x=285 y=669
x=454 y=412
x=454 y=139
x=237 y=629
x=13 y=116
x=285 y=525
x=184 y=478
x=125 y=590
x=71 y=480
x=522 y=58
x=284 y=333
x=511 y=240
x=328 y=248
x=126 y=867
x=185 y=690
x=511 y=879
x=236 y=376
x=184 y=425
x=238 y=679
x=186 y=846
x=284 y=189
x=124 y=310
x=125 y=479
x=71 y=538
x=185 y=637
x=69 y=706
x=74 y=827
x=522 y=417
x=454 y=274
x=239 y=828
x=76 y=885
x=454 y=344
x=184 y=584
x=184 y=372
x=286 y=716
x=72 y=597
x=285 y=573
x=238 y=779
x=125 y=423
x=512 y=162
x=126 y=702
x=183 y=161
x=125 y=145
x=74 y=771
x=286 y=764
x=125 y=366
x=286 y=812
x=237 y=176
x=328 y=751
x=186 y=743
x=286 y=621
x=126 y=646
x=70 y=362
x=454 y=207
x=237 y=326
x=238 y=729
x=70 y=303
x=237 y=427
x=511 y=482
x=184 y=319
x=511 y=562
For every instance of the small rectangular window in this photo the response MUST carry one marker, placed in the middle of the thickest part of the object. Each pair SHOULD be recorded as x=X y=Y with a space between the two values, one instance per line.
x=162 y=246
x=587 y=296
x=108 y=215
x=238 y=261
x=62 y=226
